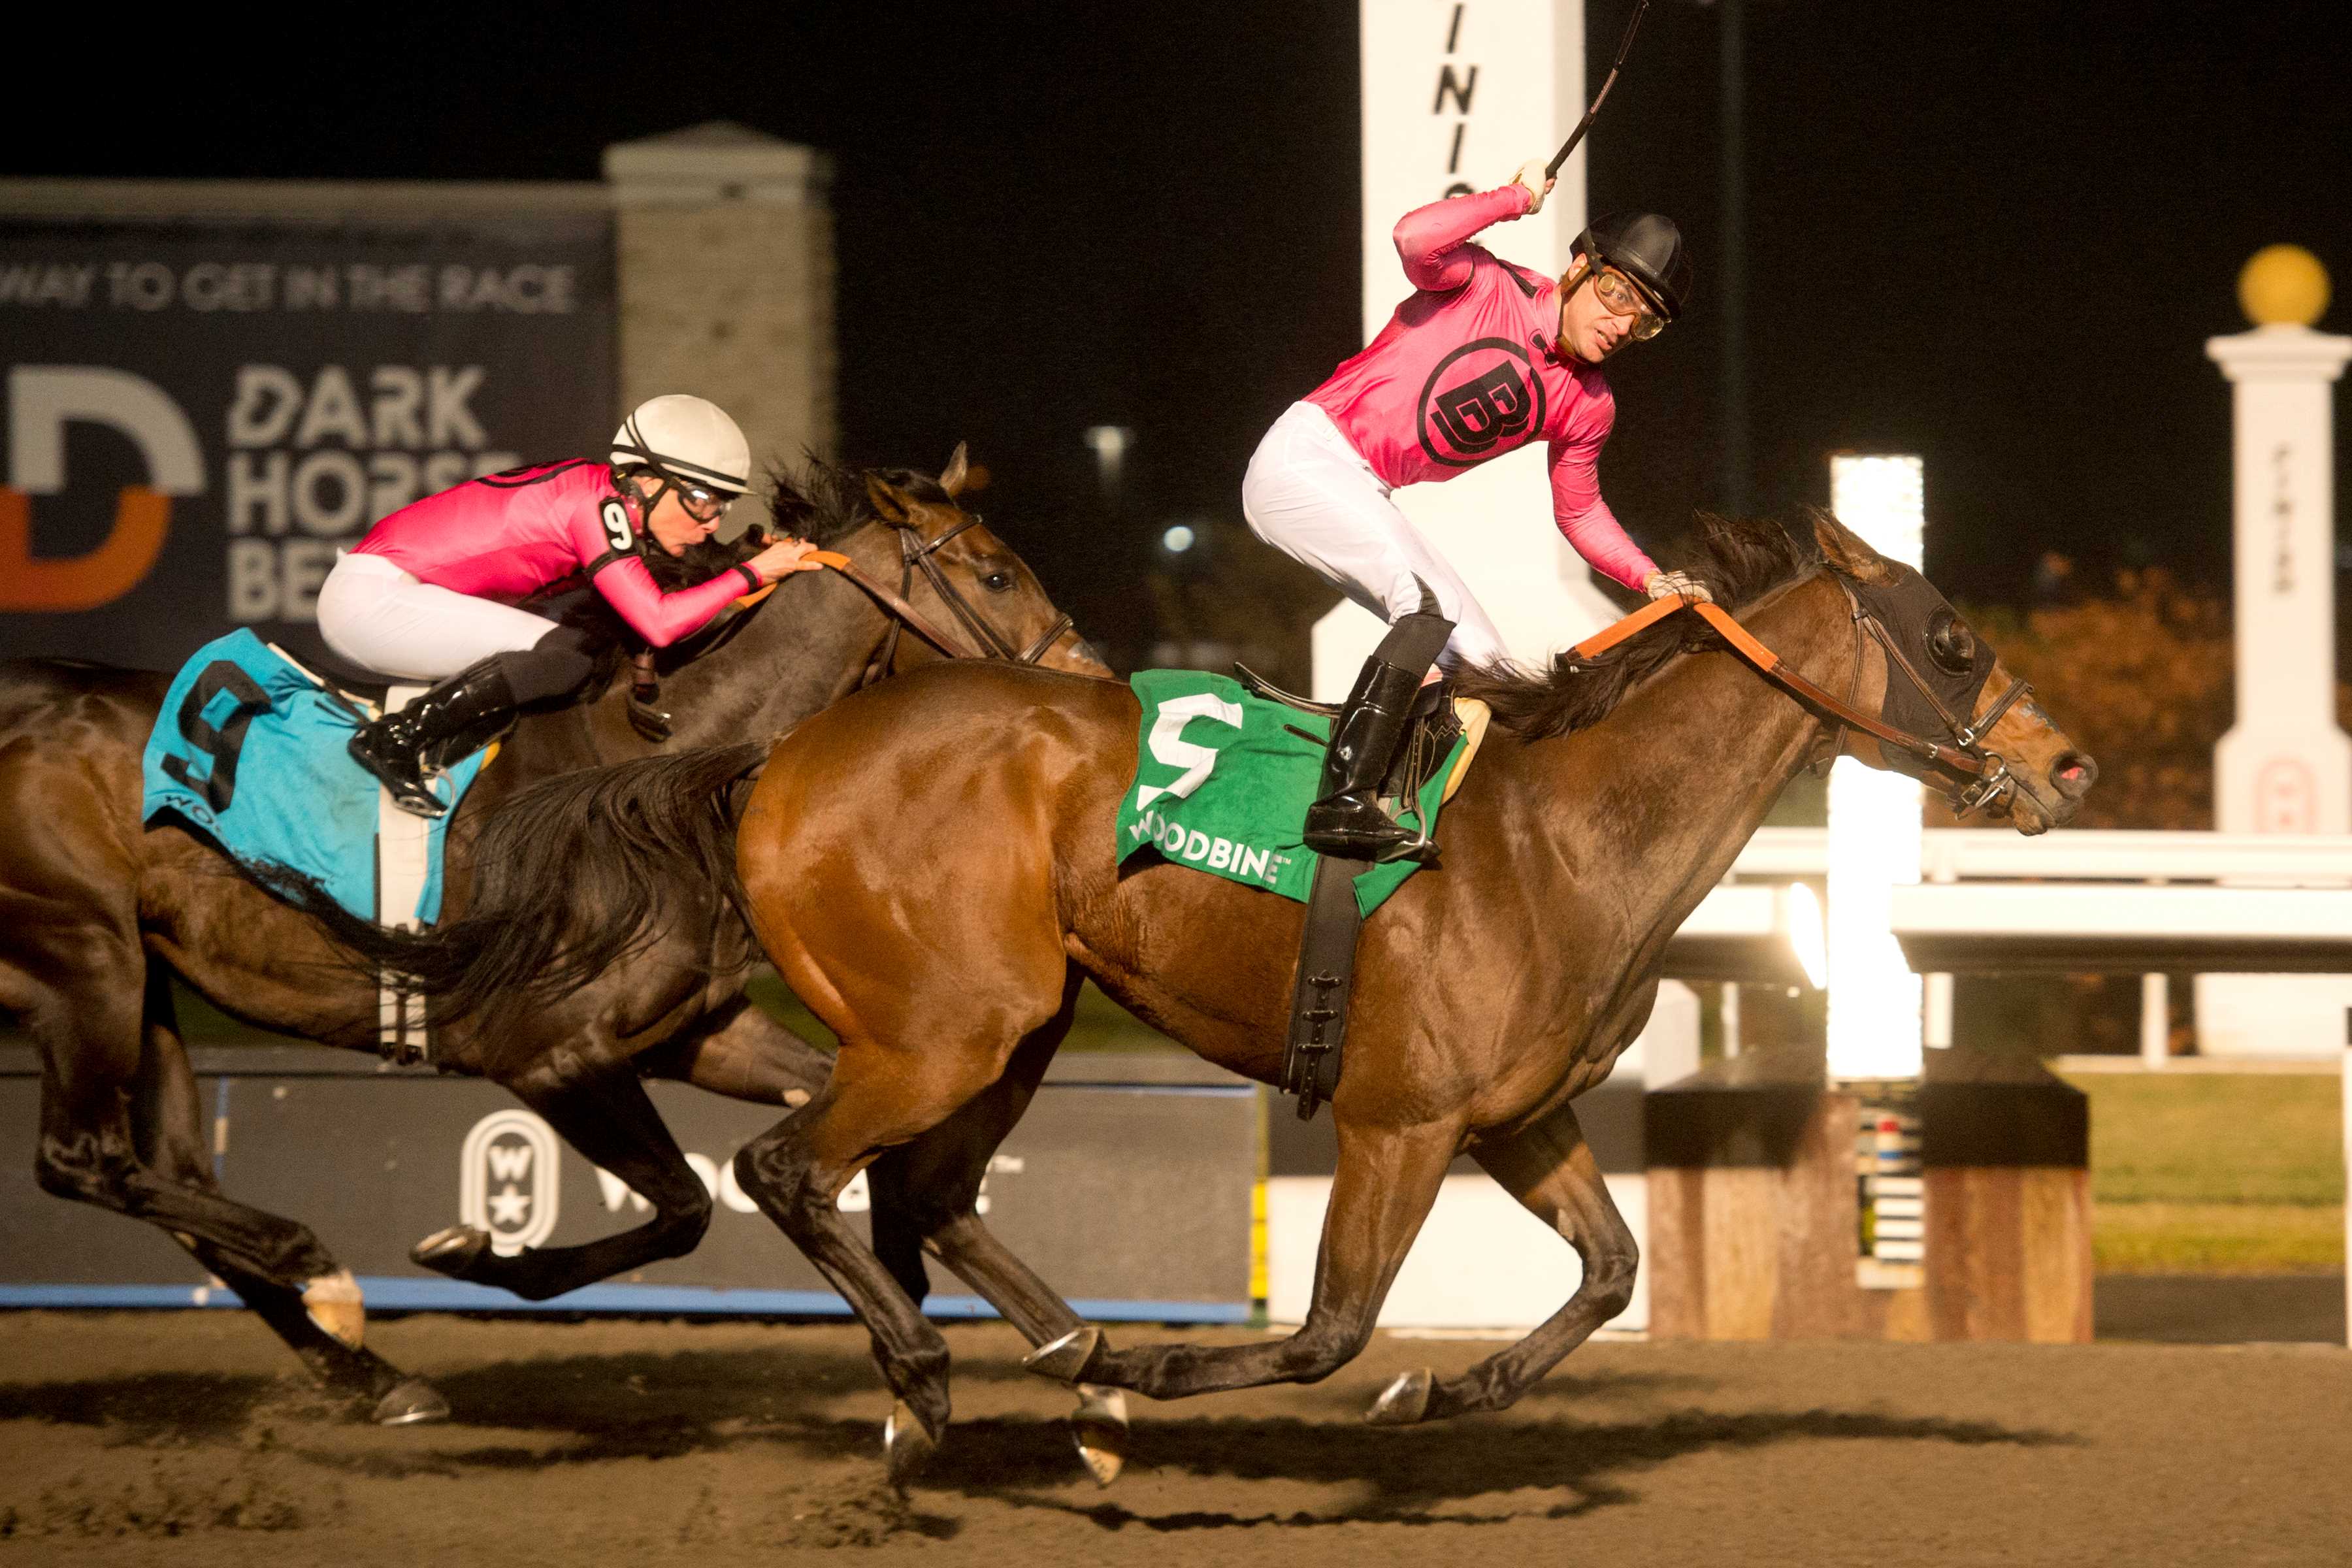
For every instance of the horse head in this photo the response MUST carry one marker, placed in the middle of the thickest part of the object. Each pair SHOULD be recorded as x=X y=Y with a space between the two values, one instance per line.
x=980 y=586
x=1938 y=682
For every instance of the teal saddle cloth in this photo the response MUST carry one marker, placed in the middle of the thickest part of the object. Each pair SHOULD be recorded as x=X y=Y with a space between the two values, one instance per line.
x=252 y=754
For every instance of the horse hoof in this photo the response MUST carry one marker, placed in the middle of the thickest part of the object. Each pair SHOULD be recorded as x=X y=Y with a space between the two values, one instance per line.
x=453 y=1251
x=907 y=1448
x=334 y=1303
x=1099 y=1428
x=1064 y=1359
x=1403 y=1402
x=413 y=1401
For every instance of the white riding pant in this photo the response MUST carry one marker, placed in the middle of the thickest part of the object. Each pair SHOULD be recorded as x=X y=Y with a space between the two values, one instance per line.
x=1311 y=495
x=373 y=612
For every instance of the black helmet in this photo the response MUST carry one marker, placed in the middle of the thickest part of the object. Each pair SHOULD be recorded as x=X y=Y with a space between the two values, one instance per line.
x=1646 y=247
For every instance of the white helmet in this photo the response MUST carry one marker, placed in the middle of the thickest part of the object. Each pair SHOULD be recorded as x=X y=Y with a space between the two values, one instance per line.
x=687 y=438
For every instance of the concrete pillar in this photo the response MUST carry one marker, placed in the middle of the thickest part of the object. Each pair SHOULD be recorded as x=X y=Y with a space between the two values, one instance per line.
x=725 y=238
x=1454 y=98
x=2284 y=766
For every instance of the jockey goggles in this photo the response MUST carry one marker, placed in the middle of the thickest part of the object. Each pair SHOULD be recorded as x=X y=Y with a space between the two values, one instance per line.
x=1621 y=296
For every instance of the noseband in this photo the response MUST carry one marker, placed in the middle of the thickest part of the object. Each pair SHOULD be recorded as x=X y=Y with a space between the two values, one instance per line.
x=1985 y=780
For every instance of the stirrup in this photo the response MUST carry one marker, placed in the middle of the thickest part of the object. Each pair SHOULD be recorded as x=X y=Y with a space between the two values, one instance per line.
x=411 y=795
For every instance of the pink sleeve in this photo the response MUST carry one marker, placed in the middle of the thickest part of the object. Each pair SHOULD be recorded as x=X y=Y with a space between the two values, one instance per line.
x=1429 y=240
x=1585 y=519
x=660 y=618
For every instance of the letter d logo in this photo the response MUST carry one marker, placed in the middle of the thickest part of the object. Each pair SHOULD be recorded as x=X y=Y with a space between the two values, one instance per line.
x=43 y=399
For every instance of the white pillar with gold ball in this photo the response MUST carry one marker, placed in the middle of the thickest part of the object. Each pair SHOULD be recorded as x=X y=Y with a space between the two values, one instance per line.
x=2284 y=766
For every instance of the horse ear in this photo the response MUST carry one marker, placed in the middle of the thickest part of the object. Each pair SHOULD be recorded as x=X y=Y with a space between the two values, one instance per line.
x=1844 y=551
x=952 y=478
x=891 y=504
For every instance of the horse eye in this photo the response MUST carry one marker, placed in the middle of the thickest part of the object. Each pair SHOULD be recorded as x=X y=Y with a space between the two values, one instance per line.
x=1951 y=645
x=997 y=582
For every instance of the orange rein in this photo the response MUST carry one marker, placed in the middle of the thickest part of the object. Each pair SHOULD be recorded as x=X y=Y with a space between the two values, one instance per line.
x=1768 y=664
x=891 y=602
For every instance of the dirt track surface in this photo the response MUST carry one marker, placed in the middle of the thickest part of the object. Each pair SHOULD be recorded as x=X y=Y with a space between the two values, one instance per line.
x=181 y=1439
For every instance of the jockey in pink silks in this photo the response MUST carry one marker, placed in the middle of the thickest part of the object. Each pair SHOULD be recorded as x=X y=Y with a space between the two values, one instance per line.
x=431 y=593
x=1484 y=358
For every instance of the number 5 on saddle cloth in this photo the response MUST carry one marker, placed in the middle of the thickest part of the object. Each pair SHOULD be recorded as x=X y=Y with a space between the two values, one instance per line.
x=1223 y=775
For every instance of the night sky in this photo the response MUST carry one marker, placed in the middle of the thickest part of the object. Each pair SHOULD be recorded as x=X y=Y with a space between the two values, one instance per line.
x=1997 y=235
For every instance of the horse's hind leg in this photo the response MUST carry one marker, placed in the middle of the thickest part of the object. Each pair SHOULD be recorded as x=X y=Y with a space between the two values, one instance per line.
x=878 y=1097
x=1386 y=1181
x=168 y=1125
x=1549 y=1168
x=92 y=1028
x=607 y=1117
x=925 y=1199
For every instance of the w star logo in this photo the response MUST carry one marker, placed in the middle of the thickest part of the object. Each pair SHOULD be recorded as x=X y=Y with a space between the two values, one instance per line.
x=1482 y=400
x=509 y=1181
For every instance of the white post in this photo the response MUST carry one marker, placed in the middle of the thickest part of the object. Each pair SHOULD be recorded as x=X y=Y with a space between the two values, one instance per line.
x=2346 y=1063
x=1730 y=1015
x=2284 y=767
x=1455 y=97
x=1874 y=1024
x=2155 y=1021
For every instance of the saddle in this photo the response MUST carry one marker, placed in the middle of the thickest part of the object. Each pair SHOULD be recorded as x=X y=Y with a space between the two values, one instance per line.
x=405 y=846
x=1313 y=1049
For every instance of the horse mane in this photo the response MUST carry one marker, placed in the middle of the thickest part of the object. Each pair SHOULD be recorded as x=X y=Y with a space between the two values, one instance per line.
x=826 y=502
x=1745 y=558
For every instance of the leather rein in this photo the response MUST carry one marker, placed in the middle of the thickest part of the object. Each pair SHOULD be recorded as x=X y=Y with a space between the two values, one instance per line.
x=915 y=554
x=644 y=690
x=1974 y=777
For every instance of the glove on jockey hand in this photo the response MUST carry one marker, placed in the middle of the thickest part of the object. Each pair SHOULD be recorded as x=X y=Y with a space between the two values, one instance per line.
x=1531 y=175
x=1658 y=584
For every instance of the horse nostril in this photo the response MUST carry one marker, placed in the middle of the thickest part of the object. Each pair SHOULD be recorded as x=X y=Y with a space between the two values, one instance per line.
x=2074 y=773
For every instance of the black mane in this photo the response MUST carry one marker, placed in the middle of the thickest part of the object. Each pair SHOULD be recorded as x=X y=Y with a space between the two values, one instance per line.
x=826 y=502
x=1745 y=558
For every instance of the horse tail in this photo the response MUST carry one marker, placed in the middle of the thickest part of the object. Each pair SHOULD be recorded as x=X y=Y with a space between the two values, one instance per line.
x=571 y=876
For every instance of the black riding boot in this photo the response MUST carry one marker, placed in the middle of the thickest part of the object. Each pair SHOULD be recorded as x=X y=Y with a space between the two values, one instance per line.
x=446 y=724
x=1347 y=820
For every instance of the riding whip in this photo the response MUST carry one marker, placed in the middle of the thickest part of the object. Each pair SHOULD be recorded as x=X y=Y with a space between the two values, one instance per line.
x=1552 y=170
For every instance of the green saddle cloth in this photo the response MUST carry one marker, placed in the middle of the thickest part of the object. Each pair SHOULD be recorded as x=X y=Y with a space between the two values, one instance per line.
x=1222 y=784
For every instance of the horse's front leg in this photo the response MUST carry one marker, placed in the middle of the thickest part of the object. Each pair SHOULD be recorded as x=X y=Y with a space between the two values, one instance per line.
x=1387 y=1179
x=607 y=1117
x=1549 y=1168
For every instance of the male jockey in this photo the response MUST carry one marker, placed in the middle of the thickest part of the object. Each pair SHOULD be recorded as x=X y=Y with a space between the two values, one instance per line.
x=430 y=592
x=1484 y=358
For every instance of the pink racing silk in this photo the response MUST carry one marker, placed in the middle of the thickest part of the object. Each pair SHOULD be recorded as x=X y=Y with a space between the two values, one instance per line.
x=1467 y=369
x=506 y=536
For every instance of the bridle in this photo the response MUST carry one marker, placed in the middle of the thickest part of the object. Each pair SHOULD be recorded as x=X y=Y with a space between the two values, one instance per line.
x=915 y=554
x=1973 y=777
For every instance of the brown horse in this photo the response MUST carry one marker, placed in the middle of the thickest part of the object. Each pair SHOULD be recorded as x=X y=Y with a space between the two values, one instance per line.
x=98 y=914
x=931 y=865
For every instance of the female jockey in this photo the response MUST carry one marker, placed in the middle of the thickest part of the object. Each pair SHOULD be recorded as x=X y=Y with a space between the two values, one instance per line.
x=430 y=592
x=1486 y=357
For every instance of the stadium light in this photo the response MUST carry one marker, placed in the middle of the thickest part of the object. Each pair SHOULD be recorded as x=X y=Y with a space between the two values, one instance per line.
x=1873 y=834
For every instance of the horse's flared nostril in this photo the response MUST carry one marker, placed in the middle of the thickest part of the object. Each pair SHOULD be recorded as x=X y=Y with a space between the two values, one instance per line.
x=2074 y=773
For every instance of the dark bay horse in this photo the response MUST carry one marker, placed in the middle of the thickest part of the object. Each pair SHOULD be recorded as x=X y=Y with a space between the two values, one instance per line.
x=931 y=867
x=96 y=914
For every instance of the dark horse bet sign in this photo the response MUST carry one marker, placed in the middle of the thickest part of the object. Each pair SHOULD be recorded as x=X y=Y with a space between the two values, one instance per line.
x=201 y=412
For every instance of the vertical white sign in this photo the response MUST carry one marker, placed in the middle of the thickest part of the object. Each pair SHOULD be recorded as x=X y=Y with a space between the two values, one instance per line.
x=1457 y=95
x=1874 y=837
x=2284 y=767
